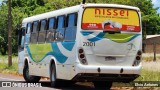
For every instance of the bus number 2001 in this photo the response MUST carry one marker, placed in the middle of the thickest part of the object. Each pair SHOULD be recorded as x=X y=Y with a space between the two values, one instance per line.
x=88 y=43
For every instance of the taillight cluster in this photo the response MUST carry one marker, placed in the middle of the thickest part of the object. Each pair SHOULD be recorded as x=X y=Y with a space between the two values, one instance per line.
x=82 y=57
x=138 y=58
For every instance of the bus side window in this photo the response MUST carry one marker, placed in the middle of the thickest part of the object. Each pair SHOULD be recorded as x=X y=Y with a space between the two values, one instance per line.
x=42 y=32
x=27 y=36
x=59 y=34
x=34 y=33
x=70 y=32
x=51 y=30
x=29 y=28
x=72 y=20
x=19 y=36
x=22 y=38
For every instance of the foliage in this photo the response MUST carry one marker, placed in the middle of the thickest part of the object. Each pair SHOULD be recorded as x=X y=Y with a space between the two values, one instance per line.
x=25 y=8
x=3 y=30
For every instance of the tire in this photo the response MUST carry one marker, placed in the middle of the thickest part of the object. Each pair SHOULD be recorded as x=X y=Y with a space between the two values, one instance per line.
x=53 y=77
x=102 y=85
x=28 y=78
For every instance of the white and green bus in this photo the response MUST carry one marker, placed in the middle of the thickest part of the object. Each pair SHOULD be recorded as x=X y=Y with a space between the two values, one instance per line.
x=101 y=43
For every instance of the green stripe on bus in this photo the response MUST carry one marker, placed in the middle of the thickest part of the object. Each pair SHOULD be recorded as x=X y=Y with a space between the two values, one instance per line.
x=38 y=51
x=120 y=38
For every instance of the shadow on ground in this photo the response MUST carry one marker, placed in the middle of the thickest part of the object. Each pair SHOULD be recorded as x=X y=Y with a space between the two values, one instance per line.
x=68 y=86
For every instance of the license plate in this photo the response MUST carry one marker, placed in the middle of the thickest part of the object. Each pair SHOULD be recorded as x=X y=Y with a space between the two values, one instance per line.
x=110 y=58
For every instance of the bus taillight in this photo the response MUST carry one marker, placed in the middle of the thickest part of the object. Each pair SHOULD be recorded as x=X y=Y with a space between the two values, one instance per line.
x=138 y=58
x=139 y=53
x=80 y=50
x=82 y=57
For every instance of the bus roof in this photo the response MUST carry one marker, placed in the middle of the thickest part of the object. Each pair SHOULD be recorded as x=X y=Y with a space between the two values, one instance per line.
x=72 y=10
x=52 y=14
x=111 y=5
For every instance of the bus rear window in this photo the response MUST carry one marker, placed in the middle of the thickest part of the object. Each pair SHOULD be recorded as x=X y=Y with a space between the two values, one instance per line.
x=110 y=19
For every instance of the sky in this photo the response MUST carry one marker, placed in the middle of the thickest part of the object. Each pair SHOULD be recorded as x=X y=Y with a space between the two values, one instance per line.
x=0 y=2
x=155 y=2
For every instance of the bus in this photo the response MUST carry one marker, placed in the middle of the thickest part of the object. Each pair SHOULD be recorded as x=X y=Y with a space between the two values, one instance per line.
x=99 y=43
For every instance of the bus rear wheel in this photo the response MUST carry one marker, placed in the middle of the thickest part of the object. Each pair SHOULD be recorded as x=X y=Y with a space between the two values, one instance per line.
x=29 y=78
x=102 y=85
x=53 y=78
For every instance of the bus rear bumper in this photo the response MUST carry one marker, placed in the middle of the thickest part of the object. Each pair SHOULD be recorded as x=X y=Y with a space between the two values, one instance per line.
x=92 y=77
x=108 y=69
x=107 y=73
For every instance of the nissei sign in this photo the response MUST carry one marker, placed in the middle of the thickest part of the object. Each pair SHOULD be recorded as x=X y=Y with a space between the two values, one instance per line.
x=114 y=19
x=111 y=12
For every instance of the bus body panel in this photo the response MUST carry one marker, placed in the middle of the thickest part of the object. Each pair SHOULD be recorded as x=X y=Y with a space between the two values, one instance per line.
x=108 y=69
x=20 y=62
x=124 y=53
x=63 y=53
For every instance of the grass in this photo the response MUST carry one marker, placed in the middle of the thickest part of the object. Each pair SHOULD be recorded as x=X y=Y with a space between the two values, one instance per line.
x=150 y=57
x=149 y=76
x=145 y=77
x=4 y=68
